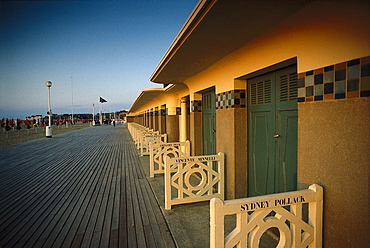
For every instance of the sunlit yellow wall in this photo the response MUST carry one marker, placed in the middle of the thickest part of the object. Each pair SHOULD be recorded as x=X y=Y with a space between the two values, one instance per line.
x=321 y=34
x=171 y=101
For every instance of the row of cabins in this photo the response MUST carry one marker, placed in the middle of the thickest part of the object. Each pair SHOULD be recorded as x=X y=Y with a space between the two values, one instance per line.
x=282 y=89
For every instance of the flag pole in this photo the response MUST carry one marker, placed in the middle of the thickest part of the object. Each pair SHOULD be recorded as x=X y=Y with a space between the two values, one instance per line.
x=101 y=100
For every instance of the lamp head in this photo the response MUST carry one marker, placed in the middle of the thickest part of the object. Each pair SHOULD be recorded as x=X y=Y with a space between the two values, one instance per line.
x=48 y=84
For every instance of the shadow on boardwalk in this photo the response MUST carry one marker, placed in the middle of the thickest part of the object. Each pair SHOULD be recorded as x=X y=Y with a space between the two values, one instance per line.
x=78 y=189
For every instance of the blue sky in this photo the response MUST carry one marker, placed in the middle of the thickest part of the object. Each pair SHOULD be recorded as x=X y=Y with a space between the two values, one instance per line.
x=88 y=48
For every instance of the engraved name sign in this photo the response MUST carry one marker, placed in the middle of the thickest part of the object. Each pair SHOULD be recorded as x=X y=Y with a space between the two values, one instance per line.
x=271 y=203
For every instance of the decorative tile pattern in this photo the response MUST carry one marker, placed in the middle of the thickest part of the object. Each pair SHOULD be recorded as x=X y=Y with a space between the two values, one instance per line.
x=162 y=112
x=231 y=99
x=344 y=80
x=329 y=88
x=196 y=106
x=178 y=111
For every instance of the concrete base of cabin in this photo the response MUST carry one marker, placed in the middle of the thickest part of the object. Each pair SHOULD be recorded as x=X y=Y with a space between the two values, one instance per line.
x=231 y=129
x=172 y=125
x=326 y=157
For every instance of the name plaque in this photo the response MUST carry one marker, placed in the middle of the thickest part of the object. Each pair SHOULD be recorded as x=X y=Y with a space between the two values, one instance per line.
x=172 y=144
x=271 y=203
x=200 y=159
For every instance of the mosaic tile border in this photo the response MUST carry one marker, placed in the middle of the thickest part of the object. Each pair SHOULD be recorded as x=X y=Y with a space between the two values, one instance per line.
x=344 y=80
x=178 y=111
x=161 y=112
x=196 y=106
x=231 y=99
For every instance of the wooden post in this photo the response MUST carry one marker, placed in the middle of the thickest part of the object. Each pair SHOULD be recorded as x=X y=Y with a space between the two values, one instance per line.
x=315 y=215
x=167 y=183
x=217 y=223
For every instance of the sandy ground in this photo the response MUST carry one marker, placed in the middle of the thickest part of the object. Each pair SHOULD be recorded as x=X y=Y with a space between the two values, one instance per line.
x=13 y=137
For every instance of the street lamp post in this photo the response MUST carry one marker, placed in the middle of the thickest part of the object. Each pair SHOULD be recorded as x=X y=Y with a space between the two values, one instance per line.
x=49 y=130
x=93 y=120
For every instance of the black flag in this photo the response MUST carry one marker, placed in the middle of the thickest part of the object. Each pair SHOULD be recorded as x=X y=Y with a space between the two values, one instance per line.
x=102 y=100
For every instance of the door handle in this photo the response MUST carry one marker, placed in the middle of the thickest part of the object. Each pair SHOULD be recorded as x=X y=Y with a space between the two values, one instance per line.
x=213 y=130
x=276 y=136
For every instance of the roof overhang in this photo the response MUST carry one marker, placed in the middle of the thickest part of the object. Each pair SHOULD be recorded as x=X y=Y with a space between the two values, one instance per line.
x=154 y=95
x=215 y=29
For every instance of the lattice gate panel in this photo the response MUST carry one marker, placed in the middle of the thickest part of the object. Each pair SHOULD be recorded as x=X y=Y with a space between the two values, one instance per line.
x=256 y=215
x=193 y=179
x=159 y=151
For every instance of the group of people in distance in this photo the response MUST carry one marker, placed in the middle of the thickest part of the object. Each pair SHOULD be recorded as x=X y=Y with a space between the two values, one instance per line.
x=17 y=124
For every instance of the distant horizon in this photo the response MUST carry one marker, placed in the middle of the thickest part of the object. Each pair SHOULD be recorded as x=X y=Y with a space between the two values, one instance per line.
x=67 y=113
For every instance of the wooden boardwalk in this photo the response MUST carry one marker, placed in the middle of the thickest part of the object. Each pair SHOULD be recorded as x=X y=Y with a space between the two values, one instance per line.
x=79 y=189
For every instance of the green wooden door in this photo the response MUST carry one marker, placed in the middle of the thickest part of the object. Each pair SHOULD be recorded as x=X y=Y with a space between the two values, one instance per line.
x=209 y=122
x=272 y=132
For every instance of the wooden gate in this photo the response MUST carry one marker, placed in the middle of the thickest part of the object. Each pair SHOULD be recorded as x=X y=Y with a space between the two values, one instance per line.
x=297 y=227
x=193 y=179
x=159 y=151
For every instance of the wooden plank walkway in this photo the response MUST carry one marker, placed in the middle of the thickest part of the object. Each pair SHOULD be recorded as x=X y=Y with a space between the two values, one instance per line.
x=79 y=189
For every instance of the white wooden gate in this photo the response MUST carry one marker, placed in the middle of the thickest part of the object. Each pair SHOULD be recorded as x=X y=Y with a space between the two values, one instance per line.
x=143 y=136
x=137 y=131
x=206 y=171
x=147 y=139
x=160 y=150
x=255 y=215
